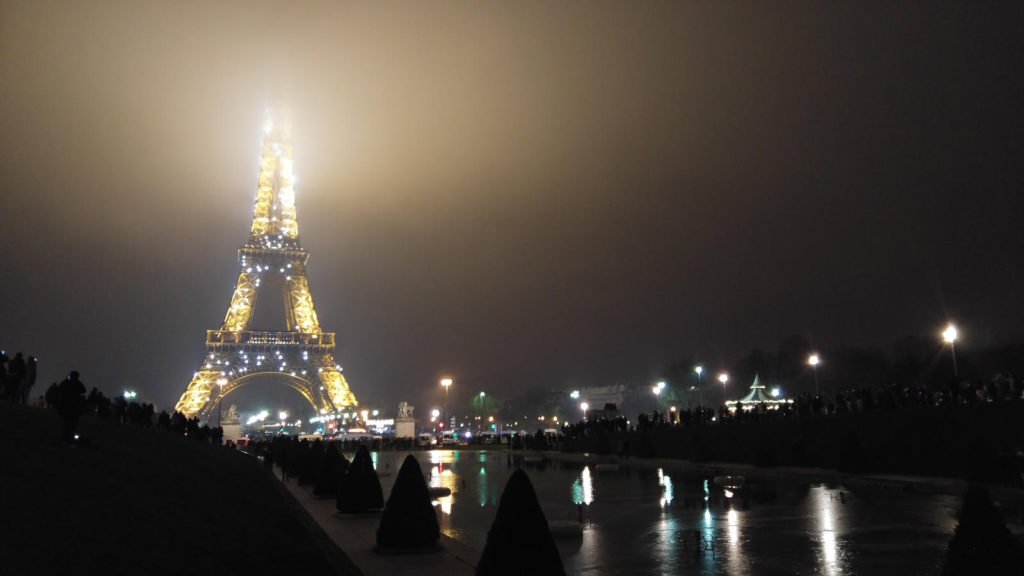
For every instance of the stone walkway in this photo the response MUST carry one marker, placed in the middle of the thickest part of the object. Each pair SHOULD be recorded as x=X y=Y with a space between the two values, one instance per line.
x=356 y=535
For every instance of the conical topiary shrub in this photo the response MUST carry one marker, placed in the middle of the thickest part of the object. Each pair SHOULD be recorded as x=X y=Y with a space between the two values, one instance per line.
x=519 y=541
x=982 y=544
x=297 y=453
x=360 y=489
x=329 y=477
x=409 y=522
x=311 y=466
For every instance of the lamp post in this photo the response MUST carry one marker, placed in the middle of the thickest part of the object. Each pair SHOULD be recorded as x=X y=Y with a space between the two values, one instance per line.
x=584 y=407
x=724 y=379
x=949 y=336
x=814 y=360
x=446 y=383
x=700 y=387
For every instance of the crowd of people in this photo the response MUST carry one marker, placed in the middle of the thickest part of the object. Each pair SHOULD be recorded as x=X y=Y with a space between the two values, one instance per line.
x=17 y=376
x=70 y=400
x=1002 y=388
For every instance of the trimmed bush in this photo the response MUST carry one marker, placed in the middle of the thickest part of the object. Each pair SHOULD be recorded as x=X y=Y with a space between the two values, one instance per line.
x=329 y=477
x=409 y=521
x=519 y=541
x=982 y=544
x=311 y=466
x=297 y=453
x=360 y=489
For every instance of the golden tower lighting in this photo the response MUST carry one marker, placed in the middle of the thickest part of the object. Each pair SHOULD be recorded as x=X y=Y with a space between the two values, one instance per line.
x=301 y=356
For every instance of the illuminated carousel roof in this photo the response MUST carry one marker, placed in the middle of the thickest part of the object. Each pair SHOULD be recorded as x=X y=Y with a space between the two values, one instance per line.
x=757 y=396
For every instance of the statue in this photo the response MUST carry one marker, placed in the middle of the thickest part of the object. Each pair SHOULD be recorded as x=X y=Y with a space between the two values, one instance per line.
x=405 y=410
x=232 y=416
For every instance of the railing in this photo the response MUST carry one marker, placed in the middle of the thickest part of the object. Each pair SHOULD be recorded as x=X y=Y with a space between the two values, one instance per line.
x=261 y=337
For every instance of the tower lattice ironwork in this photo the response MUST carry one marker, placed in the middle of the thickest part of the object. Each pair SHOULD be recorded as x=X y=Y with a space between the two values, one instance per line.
x=302 y=356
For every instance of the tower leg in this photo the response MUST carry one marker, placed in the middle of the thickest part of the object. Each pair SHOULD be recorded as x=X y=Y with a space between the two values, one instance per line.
x=198 y=393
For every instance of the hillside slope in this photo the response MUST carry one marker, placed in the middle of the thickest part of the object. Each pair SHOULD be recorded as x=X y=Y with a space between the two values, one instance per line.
x=142 y=501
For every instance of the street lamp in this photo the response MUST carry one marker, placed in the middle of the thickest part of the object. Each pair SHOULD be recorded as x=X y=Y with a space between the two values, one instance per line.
x=949 y=336
x=446 y=382
x=814 y=360
x=700 y=387
x=584 y=406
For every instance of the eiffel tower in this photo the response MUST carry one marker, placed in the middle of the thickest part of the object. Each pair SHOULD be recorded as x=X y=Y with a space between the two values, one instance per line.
x=301 y=356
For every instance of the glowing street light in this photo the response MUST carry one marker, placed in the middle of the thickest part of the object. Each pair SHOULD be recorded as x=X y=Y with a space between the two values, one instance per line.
x=130 y=395
x=584 y=407
x=446 y=383
x=575 y=394
x=949 y=336
x=700 y=387
x=814 y=360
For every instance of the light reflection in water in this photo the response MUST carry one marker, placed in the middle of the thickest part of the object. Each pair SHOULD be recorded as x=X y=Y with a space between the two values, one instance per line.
x=667 y=491
x=481 y=487
x=442 y=456
x=735 y=565
x=583 y=488
x=441 y=476
x=666 y=547
x=825 y=505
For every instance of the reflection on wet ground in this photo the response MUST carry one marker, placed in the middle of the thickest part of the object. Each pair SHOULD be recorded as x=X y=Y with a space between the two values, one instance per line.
x=672 y=522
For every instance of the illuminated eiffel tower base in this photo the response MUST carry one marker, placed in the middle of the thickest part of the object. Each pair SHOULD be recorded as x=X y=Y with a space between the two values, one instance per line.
x=302 y=356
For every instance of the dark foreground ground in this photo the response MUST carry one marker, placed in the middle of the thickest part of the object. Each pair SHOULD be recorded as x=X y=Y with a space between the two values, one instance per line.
x=142 y=501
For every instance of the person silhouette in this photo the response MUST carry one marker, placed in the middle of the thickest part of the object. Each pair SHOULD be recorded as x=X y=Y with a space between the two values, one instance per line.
x=15 y=374
x=70 y=399
x=28 y=381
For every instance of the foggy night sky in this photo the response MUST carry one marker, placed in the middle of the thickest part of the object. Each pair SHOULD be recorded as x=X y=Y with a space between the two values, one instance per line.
x=515 y=194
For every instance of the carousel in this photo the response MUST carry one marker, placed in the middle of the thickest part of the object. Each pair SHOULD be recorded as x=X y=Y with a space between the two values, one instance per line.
x=758 y=396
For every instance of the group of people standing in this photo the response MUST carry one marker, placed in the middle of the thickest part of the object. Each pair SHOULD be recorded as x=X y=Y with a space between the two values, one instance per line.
x=17 y=376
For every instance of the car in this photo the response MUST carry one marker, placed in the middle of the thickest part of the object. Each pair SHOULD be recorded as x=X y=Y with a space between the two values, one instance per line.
x=426 y=440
